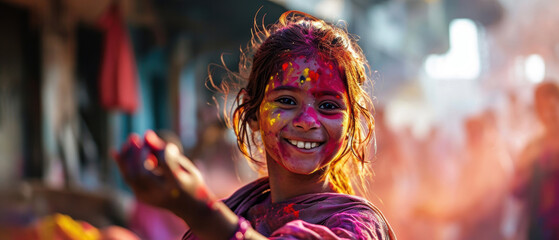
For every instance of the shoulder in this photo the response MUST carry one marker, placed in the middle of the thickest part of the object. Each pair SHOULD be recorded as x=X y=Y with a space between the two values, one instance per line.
x=351 y=217
x=359 y=224
x=360 y=220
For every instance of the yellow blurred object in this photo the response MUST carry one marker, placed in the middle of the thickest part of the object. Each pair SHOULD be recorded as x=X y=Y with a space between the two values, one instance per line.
x=60 y=226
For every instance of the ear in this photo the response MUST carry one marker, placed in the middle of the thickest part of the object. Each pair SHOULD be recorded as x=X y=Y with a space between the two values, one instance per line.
x=253 y=124
x=252 y=120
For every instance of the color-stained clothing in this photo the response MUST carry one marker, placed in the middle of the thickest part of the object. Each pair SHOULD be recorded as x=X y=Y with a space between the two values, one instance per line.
x=309 y=216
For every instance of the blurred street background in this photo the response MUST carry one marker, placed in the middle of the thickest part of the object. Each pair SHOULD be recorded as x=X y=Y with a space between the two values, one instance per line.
x=454 y=90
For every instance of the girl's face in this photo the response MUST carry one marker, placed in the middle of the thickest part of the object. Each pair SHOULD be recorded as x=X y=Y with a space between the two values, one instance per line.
x=303 y=116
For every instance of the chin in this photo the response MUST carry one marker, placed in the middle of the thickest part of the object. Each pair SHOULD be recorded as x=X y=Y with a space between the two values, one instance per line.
x=302 y=170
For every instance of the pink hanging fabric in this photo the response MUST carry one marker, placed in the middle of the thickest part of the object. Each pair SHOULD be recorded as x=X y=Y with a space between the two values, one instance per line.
x=118 y=81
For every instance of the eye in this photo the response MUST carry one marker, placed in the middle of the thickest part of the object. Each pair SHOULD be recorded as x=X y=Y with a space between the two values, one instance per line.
x=286 y=101
x=328 y=106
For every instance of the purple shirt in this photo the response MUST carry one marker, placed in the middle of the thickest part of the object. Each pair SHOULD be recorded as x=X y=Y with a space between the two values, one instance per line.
x=309 y=216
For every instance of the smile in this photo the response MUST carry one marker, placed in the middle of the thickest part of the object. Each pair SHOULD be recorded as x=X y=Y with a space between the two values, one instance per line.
x=303 y=145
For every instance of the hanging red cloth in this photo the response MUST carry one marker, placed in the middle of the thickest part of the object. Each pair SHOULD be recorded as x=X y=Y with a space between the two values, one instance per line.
x=118 y=81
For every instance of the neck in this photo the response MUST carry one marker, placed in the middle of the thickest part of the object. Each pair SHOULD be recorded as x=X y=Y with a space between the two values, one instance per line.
x=285 y=184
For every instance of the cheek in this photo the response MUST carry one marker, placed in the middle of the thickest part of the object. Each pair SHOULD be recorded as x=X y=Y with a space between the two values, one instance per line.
x=272 y=119
x=270 y=114
x=336 y=125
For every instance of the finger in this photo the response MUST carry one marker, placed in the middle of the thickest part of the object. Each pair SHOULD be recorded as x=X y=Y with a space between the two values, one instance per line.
x=132 y=138
x=156 y=156
x=177 y=161
x=130 y=147
x=154 y=161
x=150 y=177
x=172 y=154
x=138 y=167
x=130 y=159
x=151 y=163
x=153 y=141
x=157 y=185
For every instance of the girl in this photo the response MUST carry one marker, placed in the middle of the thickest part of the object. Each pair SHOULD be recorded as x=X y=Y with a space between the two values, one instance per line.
x=304 y=116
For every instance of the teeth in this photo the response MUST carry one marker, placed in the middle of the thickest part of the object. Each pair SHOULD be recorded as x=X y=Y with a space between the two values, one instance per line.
x=303 y=145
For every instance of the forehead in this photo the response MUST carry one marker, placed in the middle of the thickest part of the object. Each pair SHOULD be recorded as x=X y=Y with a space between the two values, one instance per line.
x=308 y=74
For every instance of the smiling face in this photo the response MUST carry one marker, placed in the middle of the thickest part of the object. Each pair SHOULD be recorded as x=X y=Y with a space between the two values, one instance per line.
x=303 y=116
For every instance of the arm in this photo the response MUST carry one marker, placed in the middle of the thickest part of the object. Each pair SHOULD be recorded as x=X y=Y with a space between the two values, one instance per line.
x=159 y=175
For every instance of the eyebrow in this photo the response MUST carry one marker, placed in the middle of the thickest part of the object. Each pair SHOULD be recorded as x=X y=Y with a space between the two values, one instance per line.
x=318 y=93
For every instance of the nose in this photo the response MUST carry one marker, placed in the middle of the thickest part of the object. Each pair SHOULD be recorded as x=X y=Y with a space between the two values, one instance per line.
x=307 y=119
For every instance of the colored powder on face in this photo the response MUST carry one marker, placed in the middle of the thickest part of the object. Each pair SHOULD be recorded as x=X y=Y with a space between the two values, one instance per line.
x=289 y=209
x=306 y=72
x=284 y=66
x=307 y=75
x=311 y=113
x=267 y=106
x=290 y=69
x=313 y=75
x=274 y=120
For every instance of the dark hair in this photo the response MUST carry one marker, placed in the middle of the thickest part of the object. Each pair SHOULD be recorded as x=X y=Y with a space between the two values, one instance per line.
x=295 y=34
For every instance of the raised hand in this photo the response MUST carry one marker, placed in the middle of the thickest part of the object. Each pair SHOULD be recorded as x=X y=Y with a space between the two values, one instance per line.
x=159 y=174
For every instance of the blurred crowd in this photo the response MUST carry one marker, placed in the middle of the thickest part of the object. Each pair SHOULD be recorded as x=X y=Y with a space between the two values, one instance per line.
x=499 y=181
